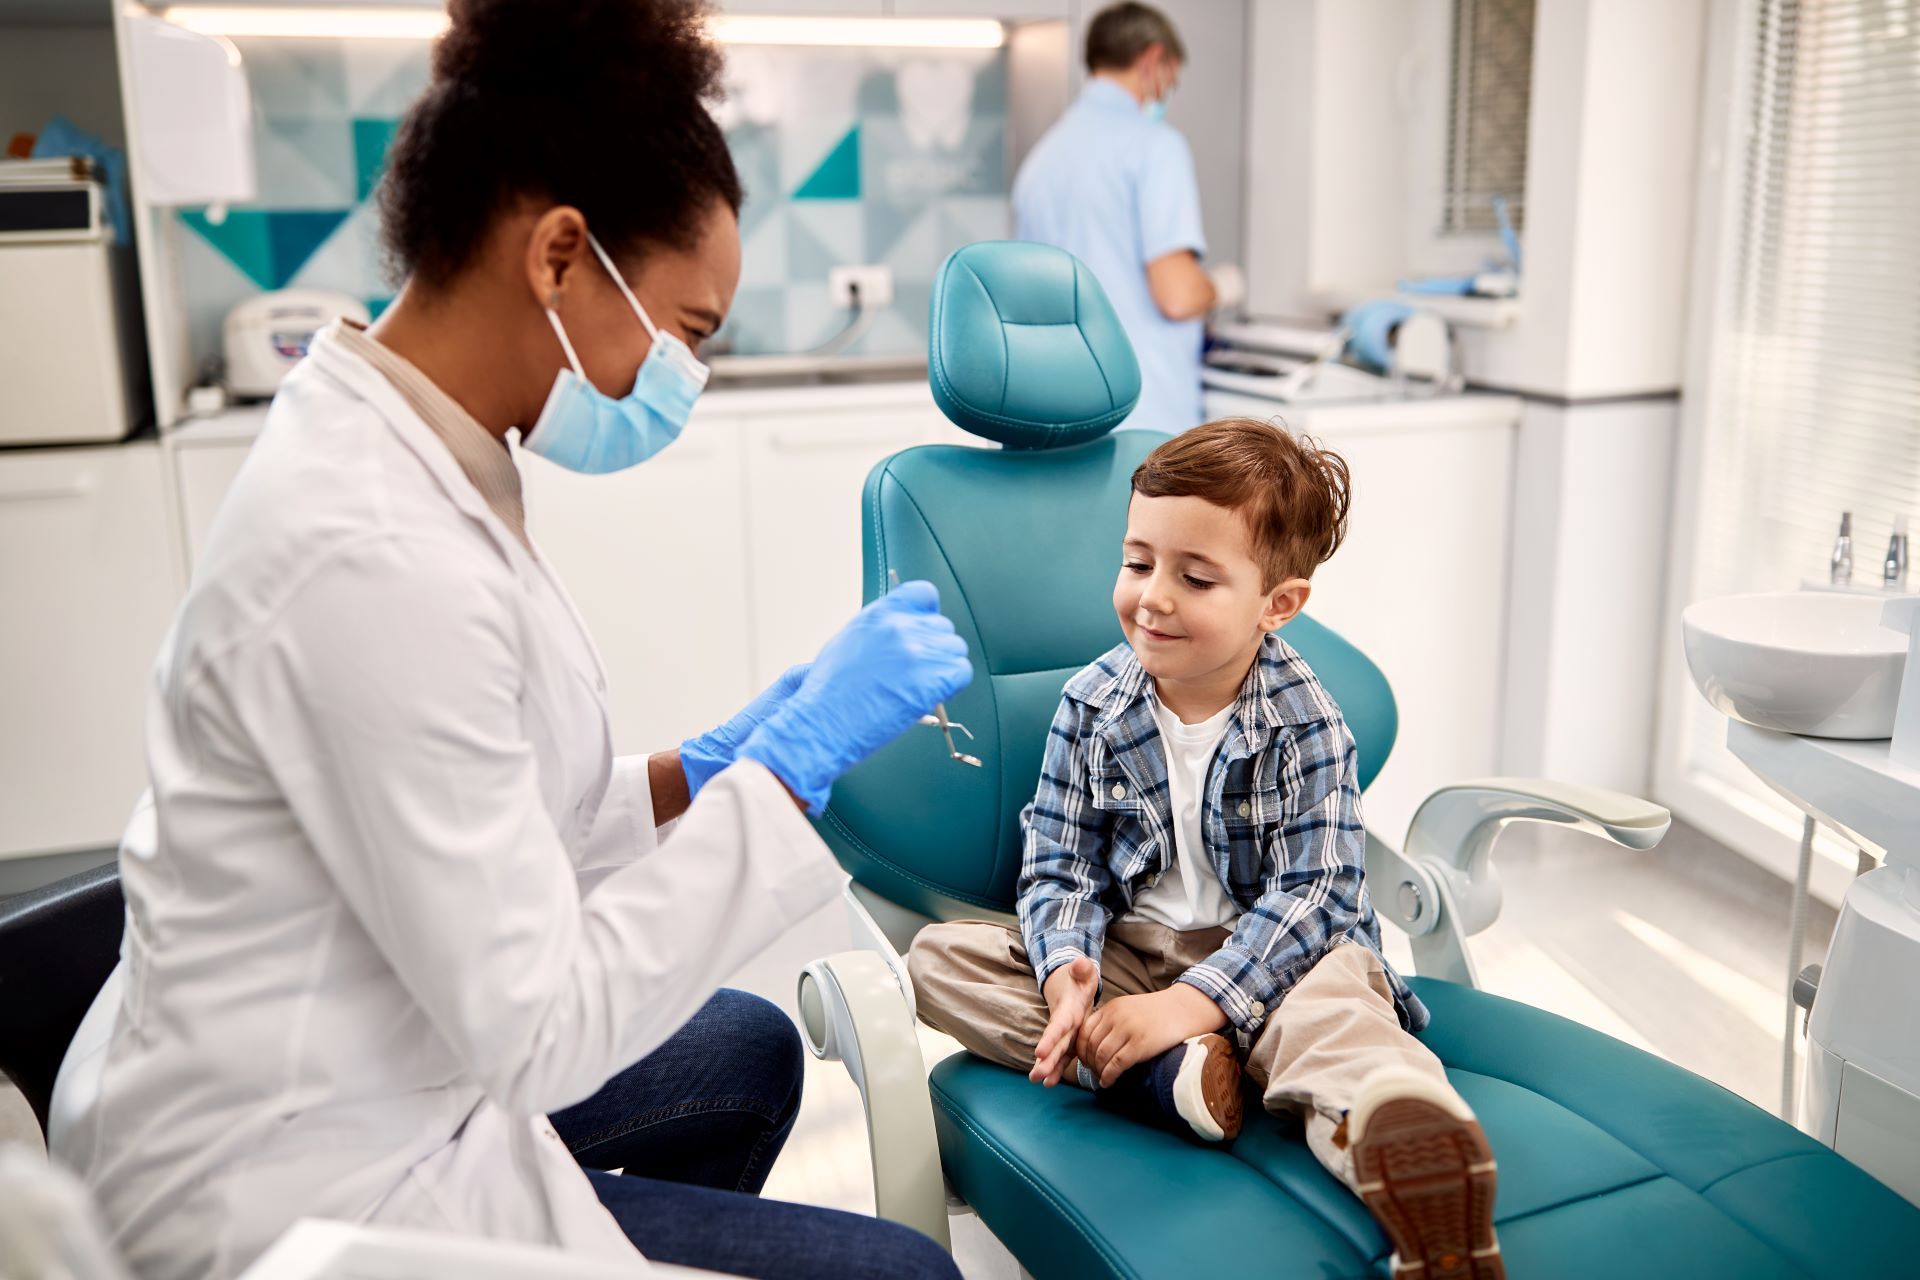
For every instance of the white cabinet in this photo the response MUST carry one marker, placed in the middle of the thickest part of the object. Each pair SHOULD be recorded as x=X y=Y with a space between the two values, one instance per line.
x=654 y=558
x=805 y=473
x=88 y=581
x=1420 y=584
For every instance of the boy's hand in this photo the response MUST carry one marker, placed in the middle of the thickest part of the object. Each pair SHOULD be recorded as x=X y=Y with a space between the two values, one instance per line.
x=1133 y=1029
x=1070 y=992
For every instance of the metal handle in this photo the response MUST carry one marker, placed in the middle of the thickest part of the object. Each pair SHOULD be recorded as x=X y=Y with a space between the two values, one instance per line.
x=78 y=487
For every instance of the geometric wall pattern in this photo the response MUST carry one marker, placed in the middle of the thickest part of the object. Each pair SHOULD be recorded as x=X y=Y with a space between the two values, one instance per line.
x=847 y=156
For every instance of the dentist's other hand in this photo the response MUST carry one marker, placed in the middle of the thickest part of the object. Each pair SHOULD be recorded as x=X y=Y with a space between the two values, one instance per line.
x=714 y=750
x=879 y=675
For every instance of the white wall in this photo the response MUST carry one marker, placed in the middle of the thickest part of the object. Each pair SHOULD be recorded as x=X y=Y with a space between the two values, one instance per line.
x=1346 y=145
x=1587 y=585
x=1610 y=182
x=1616 y=97
x=67 y=69
x=1327 y=173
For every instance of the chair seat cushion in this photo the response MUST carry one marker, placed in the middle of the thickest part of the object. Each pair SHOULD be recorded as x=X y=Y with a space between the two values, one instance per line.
x=1612 y=1163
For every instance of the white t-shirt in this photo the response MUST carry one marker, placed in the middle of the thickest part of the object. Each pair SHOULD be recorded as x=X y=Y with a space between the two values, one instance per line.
x=1190 y=895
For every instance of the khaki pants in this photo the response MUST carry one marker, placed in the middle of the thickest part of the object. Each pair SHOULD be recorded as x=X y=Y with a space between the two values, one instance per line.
x=971 y=979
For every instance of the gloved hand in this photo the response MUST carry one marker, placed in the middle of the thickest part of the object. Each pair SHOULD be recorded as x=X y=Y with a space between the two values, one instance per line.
x=879 y=675
x=714 y=750
x=1229 y=286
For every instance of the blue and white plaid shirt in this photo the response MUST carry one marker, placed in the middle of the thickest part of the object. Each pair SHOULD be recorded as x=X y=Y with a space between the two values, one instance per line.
x=1281 y=820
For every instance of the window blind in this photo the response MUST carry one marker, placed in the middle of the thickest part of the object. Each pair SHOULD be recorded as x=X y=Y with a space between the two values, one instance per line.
x=1492 y=87
x=1815 y=391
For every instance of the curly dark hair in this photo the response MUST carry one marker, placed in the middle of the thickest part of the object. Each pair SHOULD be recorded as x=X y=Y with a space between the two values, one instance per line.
x=599 y=104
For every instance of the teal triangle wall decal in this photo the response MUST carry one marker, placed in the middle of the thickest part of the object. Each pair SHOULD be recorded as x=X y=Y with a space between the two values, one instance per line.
x=371 y=138
x=269 y=245
x=838 y=176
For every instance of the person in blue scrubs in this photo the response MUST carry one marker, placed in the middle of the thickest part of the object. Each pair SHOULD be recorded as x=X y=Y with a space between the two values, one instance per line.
x=1113 y=184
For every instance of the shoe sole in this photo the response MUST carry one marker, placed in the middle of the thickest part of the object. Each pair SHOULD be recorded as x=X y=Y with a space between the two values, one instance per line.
x=1428 y=1177
x=1208 y=1099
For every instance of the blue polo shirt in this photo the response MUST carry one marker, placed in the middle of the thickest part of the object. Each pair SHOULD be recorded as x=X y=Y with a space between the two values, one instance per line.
x=1116 y=190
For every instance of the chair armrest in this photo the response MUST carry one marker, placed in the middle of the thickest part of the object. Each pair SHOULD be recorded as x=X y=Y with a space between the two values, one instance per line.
x=1441 y=888
x=853 y=1010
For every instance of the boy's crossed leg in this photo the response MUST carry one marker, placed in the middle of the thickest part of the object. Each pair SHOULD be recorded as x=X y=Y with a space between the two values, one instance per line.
x=1378 y=1110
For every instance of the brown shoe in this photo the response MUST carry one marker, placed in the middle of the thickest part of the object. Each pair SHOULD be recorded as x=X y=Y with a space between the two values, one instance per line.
x=1424 y=1169
x=1206 y=1088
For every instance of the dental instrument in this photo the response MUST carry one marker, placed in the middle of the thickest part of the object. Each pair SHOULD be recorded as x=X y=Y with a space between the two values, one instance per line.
x=939 y=717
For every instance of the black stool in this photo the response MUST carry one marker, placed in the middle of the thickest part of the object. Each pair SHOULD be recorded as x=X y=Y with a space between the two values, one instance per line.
x=57 y=946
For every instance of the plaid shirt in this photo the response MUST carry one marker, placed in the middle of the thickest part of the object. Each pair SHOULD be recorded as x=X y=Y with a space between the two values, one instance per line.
x=1281 y=818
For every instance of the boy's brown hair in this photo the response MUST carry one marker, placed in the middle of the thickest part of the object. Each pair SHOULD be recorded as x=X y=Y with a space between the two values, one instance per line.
x=1293 y=494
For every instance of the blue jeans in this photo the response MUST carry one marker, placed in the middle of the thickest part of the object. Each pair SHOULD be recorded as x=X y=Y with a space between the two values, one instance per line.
x=695 y=1126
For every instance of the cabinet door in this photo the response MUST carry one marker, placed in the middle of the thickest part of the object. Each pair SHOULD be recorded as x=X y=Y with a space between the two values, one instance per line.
x=205 y=472
x=805 y=472
x=655 y=559
x=89 y=580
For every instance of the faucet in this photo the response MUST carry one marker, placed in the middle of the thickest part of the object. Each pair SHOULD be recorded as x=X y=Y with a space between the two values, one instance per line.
x=1840 y=566
x=1893 y=574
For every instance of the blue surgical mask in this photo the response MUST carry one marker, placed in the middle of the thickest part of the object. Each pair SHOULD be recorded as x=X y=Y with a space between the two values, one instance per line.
x=1156 y=110
x=583 y=429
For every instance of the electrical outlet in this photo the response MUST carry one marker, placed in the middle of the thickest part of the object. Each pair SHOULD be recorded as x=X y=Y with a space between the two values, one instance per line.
x=874 y=283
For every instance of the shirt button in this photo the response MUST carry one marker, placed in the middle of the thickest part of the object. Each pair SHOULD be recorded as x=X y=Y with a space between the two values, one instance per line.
x=1246 y=809
x=1119 y=792
x=1259 y=1009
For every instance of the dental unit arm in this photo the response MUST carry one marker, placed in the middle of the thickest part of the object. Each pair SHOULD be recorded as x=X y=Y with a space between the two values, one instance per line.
x=1441 y=888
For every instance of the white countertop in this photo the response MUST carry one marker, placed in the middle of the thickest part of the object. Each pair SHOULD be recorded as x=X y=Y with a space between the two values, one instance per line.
x=1470 y=410
x=1854 y=785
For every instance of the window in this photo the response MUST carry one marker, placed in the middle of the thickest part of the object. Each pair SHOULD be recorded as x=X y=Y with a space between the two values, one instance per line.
x=1811 y=401
x=1487 y=117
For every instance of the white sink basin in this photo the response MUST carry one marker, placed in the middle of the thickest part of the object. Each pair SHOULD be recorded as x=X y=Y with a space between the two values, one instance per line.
x=1811 y=662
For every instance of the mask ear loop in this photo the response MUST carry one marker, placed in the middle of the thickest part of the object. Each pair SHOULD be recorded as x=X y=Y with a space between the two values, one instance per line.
x=621 y=281
x=553 y=318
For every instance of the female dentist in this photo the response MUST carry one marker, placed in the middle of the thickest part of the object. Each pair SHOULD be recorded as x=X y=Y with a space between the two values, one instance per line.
x=399 y=924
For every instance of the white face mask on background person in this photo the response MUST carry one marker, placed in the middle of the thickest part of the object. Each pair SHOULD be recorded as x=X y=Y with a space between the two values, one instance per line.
x=583 y=429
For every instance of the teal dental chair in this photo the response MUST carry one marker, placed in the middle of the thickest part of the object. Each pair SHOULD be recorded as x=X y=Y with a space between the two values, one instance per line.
x=1613 y=1163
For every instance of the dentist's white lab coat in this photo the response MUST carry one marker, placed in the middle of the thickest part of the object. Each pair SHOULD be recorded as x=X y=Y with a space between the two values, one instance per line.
x=394 y=899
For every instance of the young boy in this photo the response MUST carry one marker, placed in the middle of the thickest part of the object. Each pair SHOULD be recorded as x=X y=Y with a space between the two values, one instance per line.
x=1192 y=896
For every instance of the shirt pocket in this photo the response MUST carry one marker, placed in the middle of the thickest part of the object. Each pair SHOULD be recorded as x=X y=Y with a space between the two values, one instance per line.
x=1252 y=810
x=1112 y=790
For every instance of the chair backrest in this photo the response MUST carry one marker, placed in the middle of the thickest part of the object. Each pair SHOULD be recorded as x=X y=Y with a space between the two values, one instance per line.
x=58 y=944
x=1023 y=543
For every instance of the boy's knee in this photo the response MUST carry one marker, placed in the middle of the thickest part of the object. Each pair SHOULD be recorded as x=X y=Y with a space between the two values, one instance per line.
x=930 y=959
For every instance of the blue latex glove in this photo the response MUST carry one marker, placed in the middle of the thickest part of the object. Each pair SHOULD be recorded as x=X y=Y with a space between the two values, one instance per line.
x=714 y=750
x=877 y=677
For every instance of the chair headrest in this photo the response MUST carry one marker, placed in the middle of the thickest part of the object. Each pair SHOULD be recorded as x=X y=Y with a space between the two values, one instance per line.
x=1024 y=348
